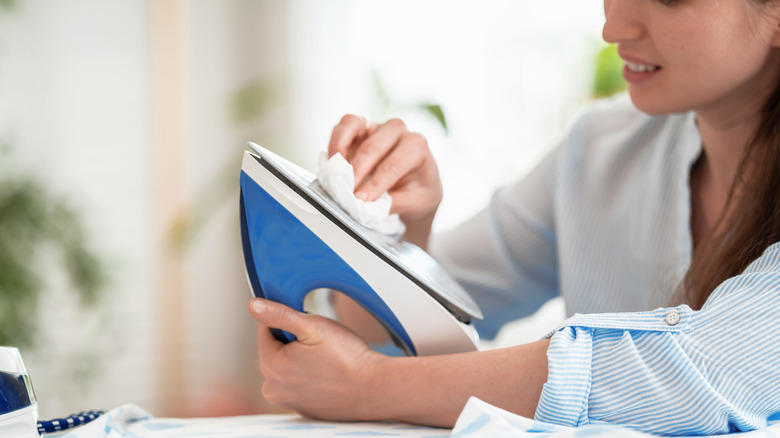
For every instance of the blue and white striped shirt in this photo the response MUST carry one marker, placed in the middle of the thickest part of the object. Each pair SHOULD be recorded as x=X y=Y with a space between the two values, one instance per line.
x=604 y=221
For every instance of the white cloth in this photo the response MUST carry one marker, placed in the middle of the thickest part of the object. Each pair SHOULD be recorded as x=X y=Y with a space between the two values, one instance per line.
x=337 y=177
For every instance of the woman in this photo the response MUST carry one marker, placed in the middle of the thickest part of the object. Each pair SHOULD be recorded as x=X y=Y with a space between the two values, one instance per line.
x=670 y=202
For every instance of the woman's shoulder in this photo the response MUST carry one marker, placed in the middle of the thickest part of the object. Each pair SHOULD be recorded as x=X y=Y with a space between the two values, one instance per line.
x=757 y=286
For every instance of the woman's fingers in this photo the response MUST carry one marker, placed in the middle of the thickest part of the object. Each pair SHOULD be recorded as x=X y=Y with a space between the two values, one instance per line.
x=324 y=374
x=371 y=151
x=368 y=146
x=347 y=134
x=408 y=156
x=389 y=158
x=278 y=316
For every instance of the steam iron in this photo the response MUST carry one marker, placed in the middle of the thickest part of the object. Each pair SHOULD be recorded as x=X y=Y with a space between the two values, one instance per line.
x=296 y=240
x=18 y=407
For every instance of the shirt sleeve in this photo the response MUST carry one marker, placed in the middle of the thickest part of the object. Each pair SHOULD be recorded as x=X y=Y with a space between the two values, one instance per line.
x=674 y=371
x=505 y=256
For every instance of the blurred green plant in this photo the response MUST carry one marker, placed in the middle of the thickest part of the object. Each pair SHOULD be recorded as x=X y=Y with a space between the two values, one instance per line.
x=389 y=105
x=246 y=106
x=33 y=220
x=608 y=79
x=253 y=99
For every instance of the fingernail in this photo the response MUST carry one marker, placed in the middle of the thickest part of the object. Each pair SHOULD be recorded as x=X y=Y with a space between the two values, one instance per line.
x=257 y=306
x=361 y=195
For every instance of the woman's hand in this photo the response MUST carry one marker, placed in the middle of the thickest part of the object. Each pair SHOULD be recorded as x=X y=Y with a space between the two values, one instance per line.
x=388 y=157
x=325 y=374
x=329 y=373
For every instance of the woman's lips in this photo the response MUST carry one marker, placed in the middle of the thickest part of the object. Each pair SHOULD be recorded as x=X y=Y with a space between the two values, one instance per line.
x=636 y=71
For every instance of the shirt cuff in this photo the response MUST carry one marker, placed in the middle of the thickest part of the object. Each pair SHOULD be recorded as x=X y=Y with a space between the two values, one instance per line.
x=564 y=397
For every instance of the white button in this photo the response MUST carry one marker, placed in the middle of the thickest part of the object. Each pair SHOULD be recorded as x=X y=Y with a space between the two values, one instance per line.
x=672 y=318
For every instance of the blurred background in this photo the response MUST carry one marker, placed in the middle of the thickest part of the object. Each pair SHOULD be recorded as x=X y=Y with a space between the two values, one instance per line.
x=122 y=125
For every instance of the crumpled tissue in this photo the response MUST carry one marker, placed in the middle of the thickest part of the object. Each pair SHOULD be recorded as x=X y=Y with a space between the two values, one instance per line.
x=337 y=177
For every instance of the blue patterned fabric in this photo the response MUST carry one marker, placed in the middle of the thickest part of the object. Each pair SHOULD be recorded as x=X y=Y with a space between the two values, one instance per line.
x=712 y=371
x=478 y=420
x=604 y=222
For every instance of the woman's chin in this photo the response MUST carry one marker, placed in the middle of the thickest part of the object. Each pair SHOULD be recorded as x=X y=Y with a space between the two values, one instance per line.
x=654 y=105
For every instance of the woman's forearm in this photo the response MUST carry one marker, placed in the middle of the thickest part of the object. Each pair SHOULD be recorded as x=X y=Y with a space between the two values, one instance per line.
x=358 y=319
x=418 y=231
x=432 y=390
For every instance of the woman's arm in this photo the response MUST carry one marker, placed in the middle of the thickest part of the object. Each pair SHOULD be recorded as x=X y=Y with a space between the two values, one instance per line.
x=330 y=373
x=432 y=390
x=358 y=319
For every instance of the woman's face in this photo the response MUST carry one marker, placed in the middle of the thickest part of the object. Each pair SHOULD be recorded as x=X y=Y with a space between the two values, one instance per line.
x=701 y=55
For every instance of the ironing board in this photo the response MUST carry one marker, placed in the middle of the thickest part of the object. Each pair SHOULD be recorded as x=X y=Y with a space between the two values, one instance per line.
x=478 y=419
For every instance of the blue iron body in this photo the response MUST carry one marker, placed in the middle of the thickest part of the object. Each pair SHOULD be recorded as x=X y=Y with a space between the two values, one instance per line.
x=296 y=240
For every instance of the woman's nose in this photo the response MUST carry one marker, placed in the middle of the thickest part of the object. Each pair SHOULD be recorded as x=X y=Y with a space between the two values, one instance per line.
x=622 y=21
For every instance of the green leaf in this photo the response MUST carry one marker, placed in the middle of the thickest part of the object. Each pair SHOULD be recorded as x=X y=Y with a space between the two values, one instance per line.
x=436 y=111
x=609 y=77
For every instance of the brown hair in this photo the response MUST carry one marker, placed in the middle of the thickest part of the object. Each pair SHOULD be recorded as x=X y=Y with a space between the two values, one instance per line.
x=755 y=220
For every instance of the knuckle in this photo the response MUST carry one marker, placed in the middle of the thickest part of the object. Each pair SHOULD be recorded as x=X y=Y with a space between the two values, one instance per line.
x=420 y=151
x=390 y=166
x=396 y=123
x=417 y=140
x=368 y=147
x=350 y=119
